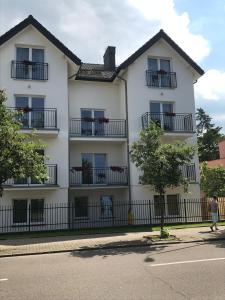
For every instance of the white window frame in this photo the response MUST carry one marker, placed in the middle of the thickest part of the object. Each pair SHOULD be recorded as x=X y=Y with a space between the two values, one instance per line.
x=107 y=217
x=74 y=207
x=166 y=205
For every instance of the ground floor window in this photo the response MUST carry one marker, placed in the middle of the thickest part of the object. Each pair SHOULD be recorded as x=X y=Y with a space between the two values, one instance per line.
x=81 y=207
x=106 y=206
x=170 y=205
x=28 y=210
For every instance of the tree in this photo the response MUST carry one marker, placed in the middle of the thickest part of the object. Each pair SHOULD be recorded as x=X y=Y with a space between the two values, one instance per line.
x=19 y=156
x=212 y=180
x=208 y=136
x=160 y=164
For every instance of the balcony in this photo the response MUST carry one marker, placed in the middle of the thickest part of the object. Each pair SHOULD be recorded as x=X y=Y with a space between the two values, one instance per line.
x=169 y=122
x=161 y=79
x=29 y=182
x=99 y=128
x=189 y=172
x=41 y=119
x=29 y=70
x=107 y=176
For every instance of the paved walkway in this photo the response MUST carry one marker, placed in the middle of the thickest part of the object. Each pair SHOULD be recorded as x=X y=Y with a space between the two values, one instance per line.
x=26 y=246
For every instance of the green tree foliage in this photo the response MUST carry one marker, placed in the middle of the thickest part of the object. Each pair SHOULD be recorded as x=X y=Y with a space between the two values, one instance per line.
x=208 y=136
x=212 y=180
x=160 y=164
x=19 y=156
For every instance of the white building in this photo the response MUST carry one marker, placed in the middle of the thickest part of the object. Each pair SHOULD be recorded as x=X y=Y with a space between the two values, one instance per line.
x=89 y=114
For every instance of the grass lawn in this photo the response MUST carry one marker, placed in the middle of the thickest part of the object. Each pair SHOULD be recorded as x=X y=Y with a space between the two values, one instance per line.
x=110 y=230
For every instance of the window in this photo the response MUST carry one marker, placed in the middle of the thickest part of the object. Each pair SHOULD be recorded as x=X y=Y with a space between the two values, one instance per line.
x=162 y=114
x=106 y=207
x=159 y=73
x=81 y=207
x=91 y=122
x=33 y=111
x=170 y=205
x=94 y=168
x=30 y=64
x=37 y=210
x=20 y=211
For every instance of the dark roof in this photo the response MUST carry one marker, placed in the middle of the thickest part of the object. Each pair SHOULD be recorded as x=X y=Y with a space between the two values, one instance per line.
x=94 y=72
x=30 y=20
x=152 y=41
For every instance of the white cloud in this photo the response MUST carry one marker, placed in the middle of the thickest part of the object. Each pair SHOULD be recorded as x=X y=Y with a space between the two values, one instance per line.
x=177 y=26
x=211 y=86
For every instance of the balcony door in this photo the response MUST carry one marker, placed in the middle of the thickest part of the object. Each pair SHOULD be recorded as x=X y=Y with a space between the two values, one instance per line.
x=38 y=67
x=33 y=111
x=92 y=122
x=161 y=113
x=160 y=69
x=22 y=68
x=94 y=168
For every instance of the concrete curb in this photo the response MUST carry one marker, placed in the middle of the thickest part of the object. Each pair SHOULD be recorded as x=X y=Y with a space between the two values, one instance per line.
x=150 y=243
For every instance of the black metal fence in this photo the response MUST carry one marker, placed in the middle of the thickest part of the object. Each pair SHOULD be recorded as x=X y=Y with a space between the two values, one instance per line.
x=98 y=127
x=38 y=118
x=51 y=181
x=170 y=122
x=35 y=215
x=161 y=79
x=113 y=175
x=29 y=70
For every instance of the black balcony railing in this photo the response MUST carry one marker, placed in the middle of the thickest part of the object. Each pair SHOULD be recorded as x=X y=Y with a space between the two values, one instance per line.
x=171 y=122
x=101 y=127
x=30 y=118
x=51 y=181
x=98 y=176
x=29 y=70
x=189 y=172
x=161 y=79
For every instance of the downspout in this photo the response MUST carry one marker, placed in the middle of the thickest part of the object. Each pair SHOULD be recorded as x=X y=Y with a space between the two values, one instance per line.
x=127 y=131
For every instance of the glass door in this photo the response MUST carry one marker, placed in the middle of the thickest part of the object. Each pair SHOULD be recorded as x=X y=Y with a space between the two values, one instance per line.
x=38 y=64
x=23 y=103
x=153 y=68
x=86 y=122
x=22 y=63
x=168 y=118
x=155 y=112
x=99 y=122
x=165 y=75
x=100 y=168
x=87 y=168
x=37 y=113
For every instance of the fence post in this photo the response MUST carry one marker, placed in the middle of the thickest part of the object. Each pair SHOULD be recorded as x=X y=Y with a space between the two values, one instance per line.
x=150 y=213
x=185 y=211
x=29 y=217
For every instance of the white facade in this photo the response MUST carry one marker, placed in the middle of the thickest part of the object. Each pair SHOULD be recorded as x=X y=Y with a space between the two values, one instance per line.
x=103 y=142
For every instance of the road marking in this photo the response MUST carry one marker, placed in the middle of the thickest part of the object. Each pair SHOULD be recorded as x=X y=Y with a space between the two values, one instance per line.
x=187 y=262
x=3 y=279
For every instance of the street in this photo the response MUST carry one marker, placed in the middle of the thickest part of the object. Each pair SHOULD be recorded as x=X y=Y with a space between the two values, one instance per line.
x=175 y=271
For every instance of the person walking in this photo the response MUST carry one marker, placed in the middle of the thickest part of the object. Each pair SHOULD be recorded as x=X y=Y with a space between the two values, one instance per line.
x=214 y=209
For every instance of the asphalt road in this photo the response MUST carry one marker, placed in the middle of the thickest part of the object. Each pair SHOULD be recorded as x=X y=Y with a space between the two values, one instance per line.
x=184 y=271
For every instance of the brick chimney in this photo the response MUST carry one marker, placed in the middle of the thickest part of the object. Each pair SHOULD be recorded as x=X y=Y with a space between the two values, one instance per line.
x=222 y=149
x=109 y=59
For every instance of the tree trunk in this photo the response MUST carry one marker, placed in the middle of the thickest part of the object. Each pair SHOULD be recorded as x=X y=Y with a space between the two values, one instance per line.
x=162 y=211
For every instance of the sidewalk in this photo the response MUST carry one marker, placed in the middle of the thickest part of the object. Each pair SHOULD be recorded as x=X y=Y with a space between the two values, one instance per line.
x=29 y=246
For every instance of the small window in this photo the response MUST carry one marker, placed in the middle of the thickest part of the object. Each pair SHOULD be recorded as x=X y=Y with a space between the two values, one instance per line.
x=172 y=205
x=37 y=210
x=157 y=205
x=20 y=211
x=81 y=207
x=106 y=207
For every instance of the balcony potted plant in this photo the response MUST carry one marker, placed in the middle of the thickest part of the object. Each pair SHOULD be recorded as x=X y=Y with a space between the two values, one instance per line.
x=116 y=169
x=103 y=120
x=26 y=109
x=87 y=119
x=170 y=114
x=161 y=72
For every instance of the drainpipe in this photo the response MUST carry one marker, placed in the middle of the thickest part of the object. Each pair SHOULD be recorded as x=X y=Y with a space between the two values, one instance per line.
x=127 y=130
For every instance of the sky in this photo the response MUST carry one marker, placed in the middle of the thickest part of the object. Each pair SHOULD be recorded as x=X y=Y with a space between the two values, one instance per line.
x=87 y=27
